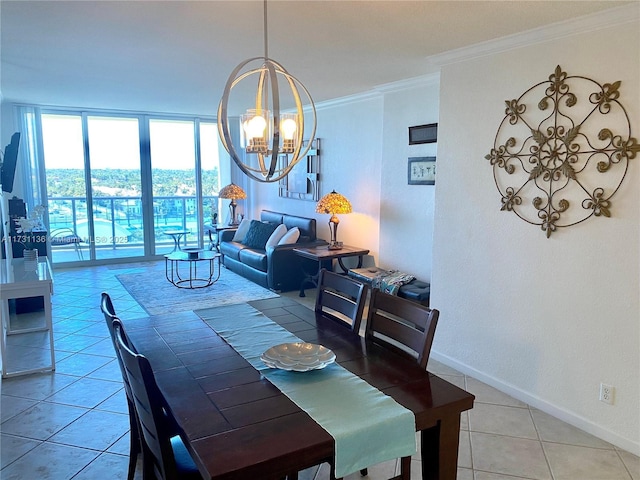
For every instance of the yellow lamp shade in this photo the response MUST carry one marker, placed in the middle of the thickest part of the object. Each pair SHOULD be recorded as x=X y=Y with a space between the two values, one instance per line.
x=333 y=203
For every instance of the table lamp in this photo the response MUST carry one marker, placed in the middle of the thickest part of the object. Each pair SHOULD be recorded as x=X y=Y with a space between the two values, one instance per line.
x=234 y=192
x=334 y=203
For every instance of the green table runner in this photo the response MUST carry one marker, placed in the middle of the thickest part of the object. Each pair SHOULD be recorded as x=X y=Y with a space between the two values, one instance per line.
x=368 y=426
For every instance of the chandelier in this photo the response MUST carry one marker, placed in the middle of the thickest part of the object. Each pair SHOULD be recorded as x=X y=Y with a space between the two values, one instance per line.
x=272 y=140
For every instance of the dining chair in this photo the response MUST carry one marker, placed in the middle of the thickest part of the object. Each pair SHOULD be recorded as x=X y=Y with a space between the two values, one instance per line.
x=165 y=456
x=341 y=298
x=401 y=325
x=135 y=442
x=405 y=327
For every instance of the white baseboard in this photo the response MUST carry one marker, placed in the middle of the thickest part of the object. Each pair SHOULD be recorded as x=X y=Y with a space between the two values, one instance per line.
x=541 y=404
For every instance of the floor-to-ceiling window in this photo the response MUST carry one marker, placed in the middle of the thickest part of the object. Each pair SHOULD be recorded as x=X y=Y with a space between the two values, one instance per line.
x=138 y=175
x=116 y=188
x=63 y=144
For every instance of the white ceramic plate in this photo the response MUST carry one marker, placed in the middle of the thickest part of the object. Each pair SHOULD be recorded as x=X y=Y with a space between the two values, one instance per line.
x=298 y=357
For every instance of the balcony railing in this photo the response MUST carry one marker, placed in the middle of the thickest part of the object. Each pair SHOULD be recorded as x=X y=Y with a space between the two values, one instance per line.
x=118 y=221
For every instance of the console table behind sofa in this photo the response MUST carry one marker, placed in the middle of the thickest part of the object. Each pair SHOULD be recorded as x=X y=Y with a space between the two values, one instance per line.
x=278 y=268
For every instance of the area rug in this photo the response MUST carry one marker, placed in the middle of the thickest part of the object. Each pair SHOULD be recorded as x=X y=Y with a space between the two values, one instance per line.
x=150 y=288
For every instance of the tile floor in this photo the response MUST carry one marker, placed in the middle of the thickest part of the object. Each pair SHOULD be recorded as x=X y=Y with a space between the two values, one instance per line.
x=72 y=424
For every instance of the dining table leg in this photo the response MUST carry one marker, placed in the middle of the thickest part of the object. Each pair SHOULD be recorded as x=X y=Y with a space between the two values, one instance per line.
x=439 y=449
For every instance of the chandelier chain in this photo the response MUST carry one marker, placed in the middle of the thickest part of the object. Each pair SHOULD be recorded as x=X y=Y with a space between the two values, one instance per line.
x=266 y=35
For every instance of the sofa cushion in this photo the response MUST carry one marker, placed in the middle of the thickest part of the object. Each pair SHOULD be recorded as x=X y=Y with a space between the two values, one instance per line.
x=290 y=237
x=232 y=249
x=258 y=234
x=254 y=258
x=307 y=227
x=242 y=230
x=275 y=237
x=271 y=217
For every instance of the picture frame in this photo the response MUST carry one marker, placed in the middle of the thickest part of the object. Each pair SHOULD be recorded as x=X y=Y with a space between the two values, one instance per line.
x=423 y=134
x=421 y=171
x=303 y=181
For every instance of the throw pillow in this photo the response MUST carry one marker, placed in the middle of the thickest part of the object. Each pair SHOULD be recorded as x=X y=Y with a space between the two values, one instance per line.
x=276 y=236
x=242 y=230
x=258 y=234
x=290 y=237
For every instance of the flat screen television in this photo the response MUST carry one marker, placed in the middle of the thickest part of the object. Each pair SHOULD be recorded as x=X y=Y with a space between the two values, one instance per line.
x=9 y=162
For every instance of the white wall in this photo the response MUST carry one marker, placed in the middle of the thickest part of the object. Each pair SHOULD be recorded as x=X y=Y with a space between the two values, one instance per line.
x=351 y=138
x=546 y=320
x=365 y=147
x=406 y=211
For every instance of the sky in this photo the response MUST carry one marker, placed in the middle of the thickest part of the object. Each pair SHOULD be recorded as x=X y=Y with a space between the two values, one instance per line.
x=114 y=143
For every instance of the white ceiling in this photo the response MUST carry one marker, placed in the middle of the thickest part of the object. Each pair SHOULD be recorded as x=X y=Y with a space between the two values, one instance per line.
x=175 y=56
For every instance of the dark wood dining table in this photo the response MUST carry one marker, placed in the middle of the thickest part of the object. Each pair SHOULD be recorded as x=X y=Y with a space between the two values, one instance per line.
x=238 y=425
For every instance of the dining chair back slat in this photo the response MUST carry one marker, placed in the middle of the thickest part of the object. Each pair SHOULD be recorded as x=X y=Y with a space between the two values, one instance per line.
x=135 y=447
x=161 y=443
x=341 y=298
x=401 y=324
x=109 y=313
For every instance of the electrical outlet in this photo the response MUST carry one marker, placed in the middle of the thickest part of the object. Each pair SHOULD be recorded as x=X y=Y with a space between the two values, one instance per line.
x=606 y=393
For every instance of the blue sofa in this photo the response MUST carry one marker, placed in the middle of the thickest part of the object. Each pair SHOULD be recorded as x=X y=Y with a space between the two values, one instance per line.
x=277 y=268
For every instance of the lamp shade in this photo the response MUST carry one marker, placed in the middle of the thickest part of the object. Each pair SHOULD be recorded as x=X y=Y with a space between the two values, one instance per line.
x=333 y=203
x=233 y=192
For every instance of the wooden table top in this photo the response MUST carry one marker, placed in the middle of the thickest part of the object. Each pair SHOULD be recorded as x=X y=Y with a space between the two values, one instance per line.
x=323 y=253
x=237 y=424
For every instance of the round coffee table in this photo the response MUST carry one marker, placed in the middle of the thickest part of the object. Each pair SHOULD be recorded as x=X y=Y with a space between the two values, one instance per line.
x=201 y=269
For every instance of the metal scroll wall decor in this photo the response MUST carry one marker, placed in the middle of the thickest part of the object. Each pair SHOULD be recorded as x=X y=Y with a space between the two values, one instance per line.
x=561 y=163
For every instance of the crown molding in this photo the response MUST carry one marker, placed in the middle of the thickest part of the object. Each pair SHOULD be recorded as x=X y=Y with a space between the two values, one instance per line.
x=415 y=82
x=340 y=101
x=380 y=90
x=587 y=23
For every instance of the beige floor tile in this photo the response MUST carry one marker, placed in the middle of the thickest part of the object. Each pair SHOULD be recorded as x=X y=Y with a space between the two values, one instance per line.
x=465 y=474
x=86 y=392
x=464 y=421
x=519 y=457
x=80 y=364
x=13 y=448
x=553 y=430
x=122 y=446
x=495 y=476
x=49 y=461
x=487 y=394
x=107 y=465
x=632 y=463
x=464 y=451
x=569 y=462
x=11 y=406
x=36 y=387
x=95 y=429
x=501 y=420
x=42 y=420
x=439 y=368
